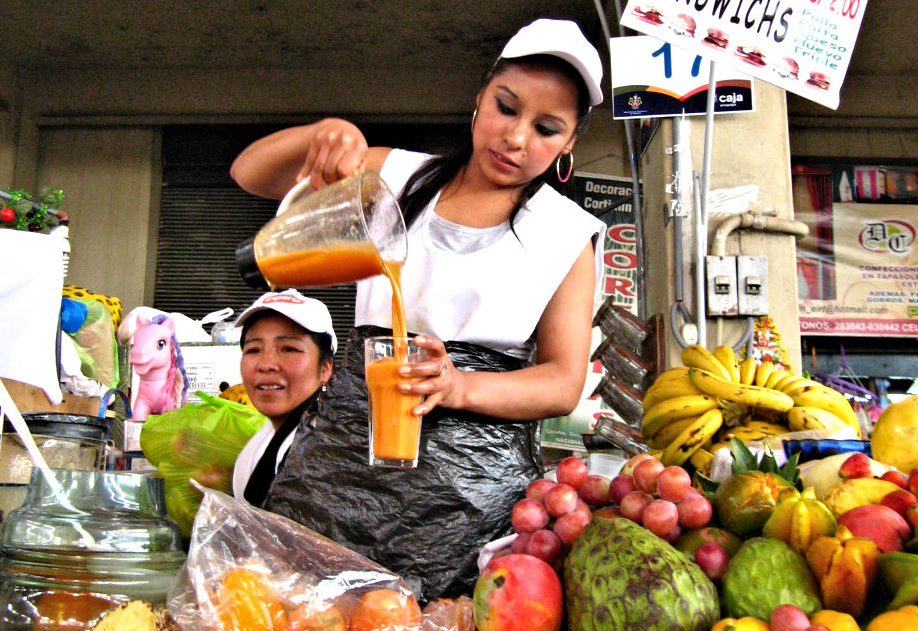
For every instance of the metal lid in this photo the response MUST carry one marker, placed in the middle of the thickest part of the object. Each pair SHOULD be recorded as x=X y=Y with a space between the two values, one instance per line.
x=62 y=425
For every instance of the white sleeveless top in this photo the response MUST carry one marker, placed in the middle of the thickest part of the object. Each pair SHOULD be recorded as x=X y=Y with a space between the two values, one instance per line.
x=493 y=295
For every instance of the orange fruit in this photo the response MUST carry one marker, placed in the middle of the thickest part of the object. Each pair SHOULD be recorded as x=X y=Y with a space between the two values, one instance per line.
x=834 y=620
x=385 y=610
x=316 y=617
x=247 y=601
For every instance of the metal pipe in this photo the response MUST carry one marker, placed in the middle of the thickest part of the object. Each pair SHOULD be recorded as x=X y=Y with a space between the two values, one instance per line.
x=701 y=237
x=754 y=221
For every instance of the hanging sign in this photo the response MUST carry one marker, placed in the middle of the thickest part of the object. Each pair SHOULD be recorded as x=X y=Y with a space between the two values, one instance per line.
x=858 y=276
x=663 y=80
x=610 y=199
x=803 y=46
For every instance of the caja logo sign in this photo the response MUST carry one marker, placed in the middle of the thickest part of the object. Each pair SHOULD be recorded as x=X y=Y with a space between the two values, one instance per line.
x=892 y=236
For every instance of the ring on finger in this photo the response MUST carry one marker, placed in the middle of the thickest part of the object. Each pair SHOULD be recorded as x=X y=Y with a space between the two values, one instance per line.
x=443 y=367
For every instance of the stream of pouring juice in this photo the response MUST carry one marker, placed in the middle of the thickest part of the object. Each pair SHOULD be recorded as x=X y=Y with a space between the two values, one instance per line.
x=395 y=429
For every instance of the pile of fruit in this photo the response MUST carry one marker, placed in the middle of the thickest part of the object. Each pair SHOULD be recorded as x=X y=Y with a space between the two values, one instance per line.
x=693 y=410
x=830 y=545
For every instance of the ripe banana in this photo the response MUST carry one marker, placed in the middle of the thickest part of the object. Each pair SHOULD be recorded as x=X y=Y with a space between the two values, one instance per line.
x=792 y=387
x=697 y=356
x=701 y=460
x=753 y=431
x=783 y=378
x=668 y=433
x=763 y=371
x=692 y=438
x=726 y=356
x=668 y=389
x=805 y=417
x=674 y=409
x=775 y=378
x=822 y=396
x=739 y=393
x=766 y=427
x=747 y=371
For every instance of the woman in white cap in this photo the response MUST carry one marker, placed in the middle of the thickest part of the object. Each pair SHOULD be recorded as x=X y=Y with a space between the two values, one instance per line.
x=497 y=261
x=288 y=347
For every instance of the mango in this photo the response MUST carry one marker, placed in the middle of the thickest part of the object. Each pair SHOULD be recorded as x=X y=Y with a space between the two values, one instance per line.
x=857 y=492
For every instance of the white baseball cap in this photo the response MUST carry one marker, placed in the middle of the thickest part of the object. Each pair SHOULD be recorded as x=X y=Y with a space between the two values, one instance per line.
x=564 y=39
x=309 y=313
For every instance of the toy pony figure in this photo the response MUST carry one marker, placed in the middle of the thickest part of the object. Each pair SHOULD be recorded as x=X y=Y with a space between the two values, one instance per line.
x=157 y=360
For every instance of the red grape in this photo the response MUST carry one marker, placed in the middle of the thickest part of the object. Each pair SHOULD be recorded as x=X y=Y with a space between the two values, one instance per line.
x=528 y=516
x=645 y=475
x=633 y=504
x=628 y=467
x=544 y=544
x=572 y=471
x=712 y=559
x=660 y=517
x=620 y=486
x=569 y=526
x=673 y=483
x=538 y=488
x=560 y=500
x=518 y=546
x=695 y=510
x=595 y=490
x=789 y=617
x=673 y=534
x=583 y=507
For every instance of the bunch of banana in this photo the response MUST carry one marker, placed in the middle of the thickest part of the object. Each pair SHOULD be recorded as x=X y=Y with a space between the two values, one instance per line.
x=700 y=406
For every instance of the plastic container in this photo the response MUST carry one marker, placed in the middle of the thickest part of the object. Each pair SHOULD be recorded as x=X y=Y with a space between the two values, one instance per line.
x=337 y=235
x=66 y=441
x=67 y=558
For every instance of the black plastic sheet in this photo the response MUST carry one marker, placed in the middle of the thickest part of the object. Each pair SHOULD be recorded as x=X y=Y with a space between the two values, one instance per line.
x=426 y=524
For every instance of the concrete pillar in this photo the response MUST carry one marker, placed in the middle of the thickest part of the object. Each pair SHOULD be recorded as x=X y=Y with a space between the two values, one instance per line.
x=748 y=149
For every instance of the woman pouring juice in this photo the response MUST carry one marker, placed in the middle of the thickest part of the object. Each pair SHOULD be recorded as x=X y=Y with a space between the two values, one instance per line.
x=498 y=288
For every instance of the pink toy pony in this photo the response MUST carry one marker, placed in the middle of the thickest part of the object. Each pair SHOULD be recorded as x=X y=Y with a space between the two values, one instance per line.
x=158 y=362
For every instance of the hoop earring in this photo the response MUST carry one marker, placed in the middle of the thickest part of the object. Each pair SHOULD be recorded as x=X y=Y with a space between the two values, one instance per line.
x=474 y=116
x=570 y=169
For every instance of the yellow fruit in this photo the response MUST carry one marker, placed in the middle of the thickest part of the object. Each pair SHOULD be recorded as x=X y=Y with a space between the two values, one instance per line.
x=857 y=492
x=897 y=620
x=746 y=623
x=895 y=435
x=834 y=620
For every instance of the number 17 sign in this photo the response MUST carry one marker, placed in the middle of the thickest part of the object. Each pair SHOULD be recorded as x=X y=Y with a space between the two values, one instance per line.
x=659 y=79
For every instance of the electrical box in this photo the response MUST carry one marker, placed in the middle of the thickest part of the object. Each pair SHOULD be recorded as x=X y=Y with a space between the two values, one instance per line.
x=752 y=285
x=721 y=286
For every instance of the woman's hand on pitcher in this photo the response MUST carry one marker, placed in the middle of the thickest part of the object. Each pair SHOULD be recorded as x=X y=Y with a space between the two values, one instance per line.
x=336 y=149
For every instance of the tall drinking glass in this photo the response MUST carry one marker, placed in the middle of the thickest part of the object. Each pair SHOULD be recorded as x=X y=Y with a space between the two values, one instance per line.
x=395 y=433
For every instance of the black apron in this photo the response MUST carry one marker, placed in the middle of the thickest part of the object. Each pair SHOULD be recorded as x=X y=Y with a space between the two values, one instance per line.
x=425 y=524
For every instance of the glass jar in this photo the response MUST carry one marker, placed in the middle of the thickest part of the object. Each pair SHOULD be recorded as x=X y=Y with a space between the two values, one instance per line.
x=66 y=441
x=66 y=558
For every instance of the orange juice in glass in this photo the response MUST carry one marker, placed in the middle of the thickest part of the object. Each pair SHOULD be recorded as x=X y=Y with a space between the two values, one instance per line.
x=395 y=432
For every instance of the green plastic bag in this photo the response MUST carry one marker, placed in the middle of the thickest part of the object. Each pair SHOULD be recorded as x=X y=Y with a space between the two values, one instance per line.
x=199 y=441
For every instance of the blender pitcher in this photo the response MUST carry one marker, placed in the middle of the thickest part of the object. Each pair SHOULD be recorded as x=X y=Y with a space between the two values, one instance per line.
x=340 y=234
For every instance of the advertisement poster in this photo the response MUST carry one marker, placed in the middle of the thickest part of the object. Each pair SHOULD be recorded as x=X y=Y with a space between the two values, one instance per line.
x=663 y=80
x=859 y=275
x=610 y=199
x=803 y=46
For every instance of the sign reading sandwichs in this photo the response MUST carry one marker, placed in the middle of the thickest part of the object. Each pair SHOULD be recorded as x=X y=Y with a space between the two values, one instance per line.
x=803 y=46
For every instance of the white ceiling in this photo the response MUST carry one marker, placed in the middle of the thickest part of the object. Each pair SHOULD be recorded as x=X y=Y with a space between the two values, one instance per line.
x=388 y=35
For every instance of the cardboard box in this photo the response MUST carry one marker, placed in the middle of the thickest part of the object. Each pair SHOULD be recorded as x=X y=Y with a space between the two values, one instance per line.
x=30 y=398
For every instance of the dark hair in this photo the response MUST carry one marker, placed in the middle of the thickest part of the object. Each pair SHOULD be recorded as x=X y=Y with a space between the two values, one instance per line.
x=440 y=170
x=322 y=340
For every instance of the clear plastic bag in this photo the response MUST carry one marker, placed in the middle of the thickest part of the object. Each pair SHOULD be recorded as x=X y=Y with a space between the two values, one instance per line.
x=199 y=441
x=252 y=570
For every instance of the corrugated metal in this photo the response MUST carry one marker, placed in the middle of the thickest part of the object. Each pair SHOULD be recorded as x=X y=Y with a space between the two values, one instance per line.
x=195 y=268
